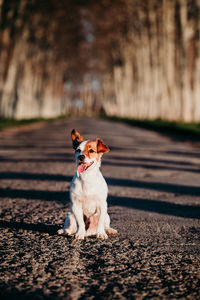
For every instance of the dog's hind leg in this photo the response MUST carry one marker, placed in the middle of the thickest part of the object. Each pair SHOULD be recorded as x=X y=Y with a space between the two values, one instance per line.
x=108 y=229
x=70 y=226
x=91 y=224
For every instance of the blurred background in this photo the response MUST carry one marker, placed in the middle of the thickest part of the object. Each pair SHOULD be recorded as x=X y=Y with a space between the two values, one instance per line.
x=127 y=58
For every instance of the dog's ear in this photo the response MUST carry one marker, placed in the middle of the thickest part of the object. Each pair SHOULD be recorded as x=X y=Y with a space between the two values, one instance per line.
x=76 y=138
x=101 y=147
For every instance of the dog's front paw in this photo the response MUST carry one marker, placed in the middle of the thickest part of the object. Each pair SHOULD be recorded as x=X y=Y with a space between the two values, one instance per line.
x=65 y=232
x=102 y=235
x=111 y=231
x=60 y=231
x=80 y=235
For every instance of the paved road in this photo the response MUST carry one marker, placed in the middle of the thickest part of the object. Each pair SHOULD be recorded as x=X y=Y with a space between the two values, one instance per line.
x=154 y=203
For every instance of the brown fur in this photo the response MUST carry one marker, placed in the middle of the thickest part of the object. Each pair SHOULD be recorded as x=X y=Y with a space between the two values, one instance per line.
x=97 y=146
x=76 y=138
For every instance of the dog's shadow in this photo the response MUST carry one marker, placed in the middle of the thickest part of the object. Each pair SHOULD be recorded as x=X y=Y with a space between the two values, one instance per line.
x=39 y=227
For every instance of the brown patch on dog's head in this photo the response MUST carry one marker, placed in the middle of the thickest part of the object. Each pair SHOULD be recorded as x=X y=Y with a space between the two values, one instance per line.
x=76 y=138
x=90 y=149
x=95 y=149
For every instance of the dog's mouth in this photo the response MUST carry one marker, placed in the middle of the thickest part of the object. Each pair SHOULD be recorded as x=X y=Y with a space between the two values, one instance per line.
x=82 y=167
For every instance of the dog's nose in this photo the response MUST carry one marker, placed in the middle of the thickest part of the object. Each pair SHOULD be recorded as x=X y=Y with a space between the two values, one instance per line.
x=81 y=157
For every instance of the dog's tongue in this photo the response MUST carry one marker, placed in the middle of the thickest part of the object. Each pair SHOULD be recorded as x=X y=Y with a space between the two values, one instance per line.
x=81 y=168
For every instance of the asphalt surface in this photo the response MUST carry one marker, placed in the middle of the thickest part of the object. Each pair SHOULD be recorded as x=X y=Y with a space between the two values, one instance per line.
x=154 y=203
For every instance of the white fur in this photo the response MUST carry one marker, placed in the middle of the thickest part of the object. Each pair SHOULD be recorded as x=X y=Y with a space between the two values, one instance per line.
x=88 y=195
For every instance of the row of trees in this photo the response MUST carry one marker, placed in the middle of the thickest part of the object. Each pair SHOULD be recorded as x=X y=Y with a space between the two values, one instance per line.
x=40 y=49
x=153 y=62
x=135 y=58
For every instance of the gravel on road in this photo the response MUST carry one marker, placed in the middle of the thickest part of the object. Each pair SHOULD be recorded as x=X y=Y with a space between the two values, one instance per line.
x=154 y=203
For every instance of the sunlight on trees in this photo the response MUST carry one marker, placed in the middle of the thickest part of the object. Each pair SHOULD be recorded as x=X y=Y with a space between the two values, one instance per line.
x=143 y=56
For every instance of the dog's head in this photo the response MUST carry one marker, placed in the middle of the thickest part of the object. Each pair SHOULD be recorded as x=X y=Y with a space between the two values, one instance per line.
x=87 y=153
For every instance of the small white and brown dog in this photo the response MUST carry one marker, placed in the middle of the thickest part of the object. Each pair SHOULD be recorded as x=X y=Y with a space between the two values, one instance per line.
x=88 y=214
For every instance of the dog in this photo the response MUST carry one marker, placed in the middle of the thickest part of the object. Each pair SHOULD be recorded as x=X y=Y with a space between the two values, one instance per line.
x=88 y=214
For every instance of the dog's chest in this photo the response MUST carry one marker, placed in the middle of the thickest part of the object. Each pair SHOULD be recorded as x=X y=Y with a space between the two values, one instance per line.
x=89 y=185
x=90 y=205
x=91 y=194
x=88 y=188
x=89 y=197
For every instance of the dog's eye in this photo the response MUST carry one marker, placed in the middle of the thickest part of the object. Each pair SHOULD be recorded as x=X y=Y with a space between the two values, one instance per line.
x=91 y=151
x=78 y=151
